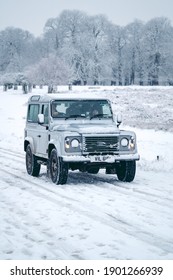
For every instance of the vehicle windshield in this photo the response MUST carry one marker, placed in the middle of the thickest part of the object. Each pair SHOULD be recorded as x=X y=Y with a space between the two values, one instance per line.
x=90 y=109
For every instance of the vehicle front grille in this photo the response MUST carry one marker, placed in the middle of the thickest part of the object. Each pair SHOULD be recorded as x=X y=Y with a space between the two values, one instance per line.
x=100 y=144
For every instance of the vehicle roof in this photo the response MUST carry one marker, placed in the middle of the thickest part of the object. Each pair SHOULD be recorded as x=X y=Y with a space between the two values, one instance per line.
x=63 y=96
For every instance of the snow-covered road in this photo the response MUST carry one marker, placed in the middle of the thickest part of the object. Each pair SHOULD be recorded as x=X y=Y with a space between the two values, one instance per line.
x=92 y=216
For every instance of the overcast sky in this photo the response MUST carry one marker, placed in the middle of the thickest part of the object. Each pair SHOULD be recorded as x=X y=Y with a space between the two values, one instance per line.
x=32 y=15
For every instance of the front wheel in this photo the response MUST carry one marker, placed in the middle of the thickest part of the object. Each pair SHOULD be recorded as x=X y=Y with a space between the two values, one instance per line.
x=126 y=170
x=58 y=169
x=32 y=166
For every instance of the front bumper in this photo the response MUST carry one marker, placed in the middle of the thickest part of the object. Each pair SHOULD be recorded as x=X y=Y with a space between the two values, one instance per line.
x=100 y=158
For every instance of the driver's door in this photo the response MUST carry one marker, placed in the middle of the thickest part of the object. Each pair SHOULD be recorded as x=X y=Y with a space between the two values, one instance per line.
x=43 y=132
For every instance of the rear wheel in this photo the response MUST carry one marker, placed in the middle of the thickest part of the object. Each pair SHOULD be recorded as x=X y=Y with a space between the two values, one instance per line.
x=93 y=170
x=58 y=169
x=126 y=170
x=32 y=166
x=110 y=170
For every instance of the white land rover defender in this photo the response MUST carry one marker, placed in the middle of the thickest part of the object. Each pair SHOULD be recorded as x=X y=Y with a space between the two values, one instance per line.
x=68 y=132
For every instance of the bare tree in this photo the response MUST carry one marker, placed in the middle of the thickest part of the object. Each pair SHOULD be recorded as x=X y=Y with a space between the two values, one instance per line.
x=15 y=49
x=49 y=71
x=157 y=38
x=134 y=66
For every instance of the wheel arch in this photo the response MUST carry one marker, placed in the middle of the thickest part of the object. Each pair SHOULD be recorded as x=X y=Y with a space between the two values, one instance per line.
x=28 y=141
x=50 y=148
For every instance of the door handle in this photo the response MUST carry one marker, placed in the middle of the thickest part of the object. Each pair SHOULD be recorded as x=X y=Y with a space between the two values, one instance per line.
x=38 y=135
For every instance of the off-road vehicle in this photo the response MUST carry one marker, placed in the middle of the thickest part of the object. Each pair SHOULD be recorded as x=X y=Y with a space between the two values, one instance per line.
x=71 y=132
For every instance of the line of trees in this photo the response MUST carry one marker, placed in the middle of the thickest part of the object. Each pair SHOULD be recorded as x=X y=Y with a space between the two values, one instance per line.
x=80 y=49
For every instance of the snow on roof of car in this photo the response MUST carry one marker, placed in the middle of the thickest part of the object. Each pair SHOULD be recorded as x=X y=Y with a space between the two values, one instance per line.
x=64 y=96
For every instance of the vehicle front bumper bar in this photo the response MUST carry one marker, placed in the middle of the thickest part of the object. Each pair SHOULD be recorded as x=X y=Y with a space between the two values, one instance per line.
x=100 y=158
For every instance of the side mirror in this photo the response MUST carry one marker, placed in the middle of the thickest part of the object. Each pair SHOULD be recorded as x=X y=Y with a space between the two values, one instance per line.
x=40 y=118
x=119 y=119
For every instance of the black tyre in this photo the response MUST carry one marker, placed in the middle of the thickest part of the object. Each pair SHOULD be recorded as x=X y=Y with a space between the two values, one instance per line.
x=32 y=166
x=126 y=171
x=93 y=170
x=58 y=169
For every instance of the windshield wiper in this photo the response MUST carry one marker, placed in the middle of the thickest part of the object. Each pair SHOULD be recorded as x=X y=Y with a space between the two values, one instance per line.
x=99 y=115
x=75 y=116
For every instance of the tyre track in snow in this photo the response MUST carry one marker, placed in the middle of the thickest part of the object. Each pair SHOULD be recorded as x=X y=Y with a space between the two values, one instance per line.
x=55 y=190
x=105 y=218
x=41 y=236
x=12 y=153
x=118 y=225
x=109 y=178
x=112 y=183
x=116 y=187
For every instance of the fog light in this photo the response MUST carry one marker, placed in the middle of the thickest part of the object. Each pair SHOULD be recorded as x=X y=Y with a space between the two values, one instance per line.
x=67 y=143
x=132 y=143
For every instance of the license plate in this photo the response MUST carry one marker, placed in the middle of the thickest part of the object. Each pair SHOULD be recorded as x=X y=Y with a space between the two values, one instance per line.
x=106 y=158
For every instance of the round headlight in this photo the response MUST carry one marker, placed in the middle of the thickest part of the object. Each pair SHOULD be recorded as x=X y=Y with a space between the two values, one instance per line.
x=124 y=142
x=74 y=143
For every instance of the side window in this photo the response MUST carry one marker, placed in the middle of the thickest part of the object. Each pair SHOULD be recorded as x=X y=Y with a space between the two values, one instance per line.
x=45 y=112
x=33 y=113
x=106 y=110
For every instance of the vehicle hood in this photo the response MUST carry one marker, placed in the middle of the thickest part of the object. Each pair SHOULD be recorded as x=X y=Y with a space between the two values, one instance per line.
x=87 y=128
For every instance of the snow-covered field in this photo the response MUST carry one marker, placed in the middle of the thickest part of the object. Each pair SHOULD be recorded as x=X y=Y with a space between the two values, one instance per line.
x=92 y=216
